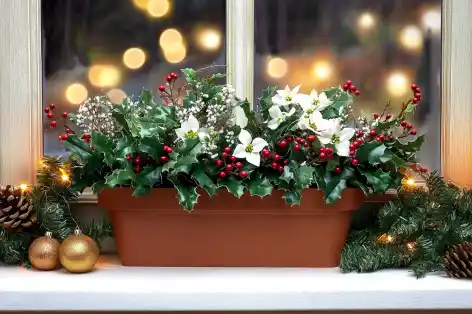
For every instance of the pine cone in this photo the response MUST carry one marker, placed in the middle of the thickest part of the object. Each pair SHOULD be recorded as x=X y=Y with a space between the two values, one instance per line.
x=458 y=260
x=15 y=210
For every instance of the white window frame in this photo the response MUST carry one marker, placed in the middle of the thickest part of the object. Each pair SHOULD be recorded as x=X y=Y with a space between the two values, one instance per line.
x=21 y=86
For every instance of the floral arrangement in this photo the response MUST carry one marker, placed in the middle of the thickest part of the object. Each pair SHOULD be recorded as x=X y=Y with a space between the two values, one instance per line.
x=202 y=137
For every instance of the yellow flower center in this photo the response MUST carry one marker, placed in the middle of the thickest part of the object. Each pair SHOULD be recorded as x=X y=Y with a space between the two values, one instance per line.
x=310 y=111
x=191 y=134
x=316 y=102
x=249 y=148
x=335 y=139
x=312 y=125
x=288 y=98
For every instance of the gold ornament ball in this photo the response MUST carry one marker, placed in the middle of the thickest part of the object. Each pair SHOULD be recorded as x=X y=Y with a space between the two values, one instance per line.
x=78 y=253
x=43 y=253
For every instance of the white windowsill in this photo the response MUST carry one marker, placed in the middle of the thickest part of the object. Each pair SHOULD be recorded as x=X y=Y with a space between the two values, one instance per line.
x=113 y=287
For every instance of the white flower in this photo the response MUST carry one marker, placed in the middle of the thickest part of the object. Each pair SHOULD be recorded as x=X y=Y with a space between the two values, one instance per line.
x=286 y=97
x=313 y=102
x=249 y=149
x=278 y=116
x=337 y=136
x=191 y=129
x=313 y=122
x=240 y=117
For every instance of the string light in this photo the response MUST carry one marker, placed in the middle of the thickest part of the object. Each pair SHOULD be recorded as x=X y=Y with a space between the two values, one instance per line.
x=170 y=36
x=208 y=38
x=322 y=70
x=431 y=20
x=64 y=176
x=23 y=187
x=141 y=4
x=411 y=38
x=385 y=239
x=158 y=8
x=397 y=83
x=411 y=246
x=366 y=21
x=134 y=58
x=410 y=182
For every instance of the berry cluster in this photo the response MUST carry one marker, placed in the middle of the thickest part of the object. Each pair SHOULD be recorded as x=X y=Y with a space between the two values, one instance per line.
x=139 y=161
x=50 y=114
x=416 y=94
x=170 y=79
x=350 y=88
x=326 y=153
x=299 y=142
x=419 y=168
x=274 y=160
x=407 y=128
x=230 y=165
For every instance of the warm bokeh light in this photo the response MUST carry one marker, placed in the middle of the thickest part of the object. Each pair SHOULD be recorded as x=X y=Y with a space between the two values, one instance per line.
x=116 y=95
x=208 y=38
x=322 y=70
x=76 y=93
x=23 y=187
x=431 y=20
x=158 y=8
x=410 y=182
x=169 y=37
x=104 y=75
x=397 y=83
x=366 y=21
x=411 y=38
x=175 y=53
x=141 y=4
x=277 y=67
x=134 y=58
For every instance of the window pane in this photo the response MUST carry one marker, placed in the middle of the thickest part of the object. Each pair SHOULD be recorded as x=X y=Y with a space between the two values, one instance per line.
x=381 y=45
x=117 y=47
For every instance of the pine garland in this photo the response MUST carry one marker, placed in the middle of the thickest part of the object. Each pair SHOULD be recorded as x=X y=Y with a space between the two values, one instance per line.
x=51 y=198
x=413 y=231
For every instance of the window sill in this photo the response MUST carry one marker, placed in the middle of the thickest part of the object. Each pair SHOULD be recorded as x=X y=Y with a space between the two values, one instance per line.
x=113 y=287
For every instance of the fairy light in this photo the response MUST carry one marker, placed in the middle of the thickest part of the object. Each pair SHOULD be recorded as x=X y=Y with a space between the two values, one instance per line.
x=366 y=21
x=134 y=58
x=208 y=38
x=64 y=176
x=76 y=93
x=411 y=246
x=385 y=239
x=431 y=20
x=411 y=38
x=322 y=70
x=158 y=8
x=410 y=182
x=23 y=187
x=277 y=67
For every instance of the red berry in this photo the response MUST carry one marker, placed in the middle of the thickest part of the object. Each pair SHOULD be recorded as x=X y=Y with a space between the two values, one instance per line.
x=357 y=92
x=46 y=109
x=222 y=174
x=361 y=133
x=65 y=114
x=238 y=165
x=415 y=100
x=302 y=141
x=378 y=140
x=286 y=162
x=353 y=88
x=85 y=136
x=162 y=88
x=149 y=159
x=376 y=115
x=329 y=150
x=337 y=169
x=243 y=174
x=50 y=115
x=297 y=147
x=349 y=82
x=373 y=133
x=283 y=144
x=352 y=153
x=128 y=157
x=345 y=87
x=409 y=126
x=137 y=160
x=229 y=167
x=168 y=78
x=424 y=169
x=266 y=153
x=413 y=132
x=174 y=75
x=357 y=143
x=352 y=147
x=414 y=86
x=166 y=105
x=322 y=155
x=305 y=144
x=165 y=148
x=355 y=162
x=311 y=138
x=322 y=150
x=418 y=90
x=403 y=123
x=67 y=130
x=170 y=150
x=289 y=139
x=92 y=148
x=64 y=137
x=281 y=169
x=275 y=165
x=52 y=106
x=418 y=95
x=389 y=115
x=330 y=157
x=233 y=158
x=138 y=169
x=224 y=155
x=298 y=140
x=382 y=137
x=276 y=157
x=219 y=162
x=164 y=158
x=227 y=150
x=53 y=124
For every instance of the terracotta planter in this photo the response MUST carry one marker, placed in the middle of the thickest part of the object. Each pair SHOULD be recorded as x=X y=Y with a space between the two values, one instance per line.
x=225 y=231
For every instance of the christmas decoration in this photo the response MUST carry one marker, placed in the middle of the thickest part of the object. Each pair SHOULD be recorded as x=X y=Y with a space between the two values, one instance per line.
x=458 y=260
x=43 y=253
x=425 y=228
x=16 y=211
x=78 y=253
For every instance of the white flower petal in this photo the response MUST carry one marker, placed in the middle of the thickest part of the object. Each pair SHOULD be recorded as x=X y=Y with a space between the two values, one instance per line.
x=342 y=149
x=273 y=124
x=193 y=124
x=314 y=94
x=291 y=112
x=245 y=137
x=346 y=134
x=275 y=112
x=295 y=90
x=325 y=137
x=240 y=151
x=253 y=158
x=241 y=119
x=258 y=144
x=180 y=133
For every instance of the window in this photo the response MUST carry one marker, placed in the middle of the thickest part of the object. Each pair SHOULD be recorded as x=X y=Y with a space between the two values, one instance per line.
x=381 y=45
x=118 y=47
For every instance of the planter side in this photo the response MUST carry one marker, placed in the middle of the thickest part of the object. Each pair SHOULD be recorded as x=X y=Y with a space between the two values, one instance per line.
x=225 y=231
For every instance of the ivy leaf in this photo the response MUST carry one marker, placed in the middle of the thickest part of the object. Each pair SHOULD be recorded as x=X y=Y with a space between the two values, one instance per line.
x=104 y=145
x=204 y=181
x=120 y=177
x=78 y=147
x=187 y=195
x=233 y=186
x=292 y=197
x=260 y=186
x=379 y=180
x=376 y=154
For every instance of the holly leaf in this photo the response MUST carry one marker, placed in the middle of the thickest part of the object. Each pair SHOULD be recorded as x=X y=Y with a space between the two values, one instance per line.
x=169 y=165
x=305 y=176
x=120 y=177
x=204 y=181
x=151 y=146
x=184 y=163
x=394 y=159
x=149 y=176
x=318 y=176
x=376 y=154
x=187 y=195
x=335 y=184
x=141 y=190
x=233 y=186
x=98 y=186
x=332 y=163
x=412 y=146
x=123 y=148
x=265 y=101
x=292 y=197
x=78 y=147
x=105 y=146
x=287 y=176
x=260 y=186
x=379 y=180
x=363 y=152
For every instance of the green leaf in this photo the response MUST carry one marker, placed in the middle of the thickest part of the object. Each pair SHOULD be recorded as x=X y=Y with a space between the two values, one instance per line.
x=184 y=163
x=379 y=180
x=395 y=160
x=318 y=176
x=123 y=148
x=204 y=181
x=78 y=147
x=287 y=176
x=376 y=154
x=190 y=75
x=265 y=101
x=120 y=177
x=292 y=197
x=363 y=152
x=305 y=176
x=412 y=146
x=149 y=176
x=187 y=195
x=260 y=186
x=233 y=186
x=332 y=163
x=141 y=190
x=104 y=145
x=335 y=184
x=98 y=186
x=410 y=108
x=152 y=146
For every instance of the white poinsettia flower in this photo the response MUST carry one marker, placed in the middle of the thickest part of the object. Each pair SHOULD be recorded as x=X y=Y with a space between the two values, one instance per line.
x=249 y=149
x=314 y=122
x=286 y=96
x=191 y=129
x=313 y=102
x=240 y=118
x=278 y=116
x=337 y=136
